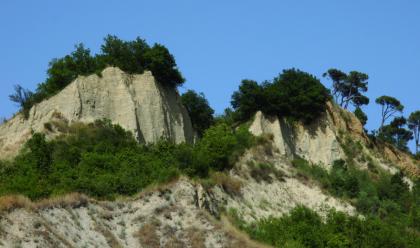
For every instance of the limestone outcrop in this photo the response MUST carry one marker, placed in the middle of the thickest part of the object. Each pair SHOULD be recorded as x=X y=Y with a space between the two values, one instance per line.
x=136 y=102
x=316 y=143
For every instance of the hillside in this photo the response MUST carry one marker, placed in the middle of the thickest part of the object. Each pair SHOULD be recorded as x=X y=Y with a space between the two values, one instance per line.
x=106 y=153
x=265 y=182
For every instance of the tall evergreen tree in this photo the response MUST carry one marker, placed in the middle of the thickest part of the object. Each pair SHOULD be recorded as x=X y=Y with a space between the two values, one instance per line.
x=348 y=88
x=390 y=106
x=414 y=125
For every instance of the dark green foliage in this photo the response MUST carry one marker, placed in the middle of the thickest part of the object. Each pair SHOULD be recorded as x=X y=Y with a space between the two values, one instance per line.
x=293 y=94
x=303 y=227
x=385 y=200
x=247 y=100
x=64 y=70
x=199 y=110
x=23 y=97
x=390 y=106
x=358 y=112
x=130 y=56
x=163 y=66
x=303 y=95
x=104 y=160
x=395 y=133
x=348 y=88
x=221 y=146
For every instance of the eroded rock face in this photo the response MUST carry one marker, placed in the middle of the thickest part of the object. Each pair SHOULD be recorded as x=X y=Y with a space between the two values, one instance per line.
x=316 y=143
x=136 y=102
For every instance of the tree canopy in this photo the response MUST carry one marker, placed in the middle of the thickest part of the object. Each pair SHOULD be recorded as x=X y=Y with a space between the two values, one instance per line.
x=348 y=88
x=294 y=93
x=199 y=110
x=247 y=100
x=396 y=133
x=130 y=56
x=390 y=106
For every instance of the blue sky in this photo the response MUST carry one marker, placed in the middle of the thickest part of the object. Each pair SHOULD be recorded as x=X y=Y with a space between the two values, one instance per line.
x=218 y=43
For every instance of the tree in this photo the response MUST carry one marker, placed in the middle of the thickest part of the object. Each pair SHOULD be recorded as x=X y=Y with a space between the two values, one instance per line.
x=130 y=56
x=348 y=88
x=396 y=134
x=414 y=125
x=163 y=66
x=40 y=152
x=247 y=100
x=390 y=106
x=297 y=94
x=23 y=98
x=199 y=110
x=293 y=93
x=358 y=112
x=127 y=55
x=338 y=78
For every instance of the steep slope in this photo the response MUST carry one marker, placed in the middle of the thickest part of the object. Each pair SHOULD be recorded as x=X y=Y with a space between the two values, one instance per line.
x=137 y=102
x=190 y=213
x=168 y=216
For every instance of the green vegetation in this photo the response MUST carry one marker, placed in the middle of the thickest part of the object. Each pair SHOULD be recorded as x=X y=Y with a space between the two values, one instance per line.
x=384 y=199
x=130 y=56
x=348 y=88
x=395 y=133
x=390 y=106
x=199 y=110
x=103 y=160
x=294 y=94
x=303 y=227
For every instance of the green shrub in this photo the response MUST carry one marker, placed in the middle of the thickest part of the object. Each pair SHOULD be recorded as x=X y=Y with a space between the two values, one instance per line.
x=303 y=227
x=103 y=160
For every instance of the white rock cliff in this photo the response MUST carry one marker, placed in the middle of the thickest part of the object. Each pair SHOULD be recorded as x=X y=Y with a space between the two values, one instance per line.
x=136 y=102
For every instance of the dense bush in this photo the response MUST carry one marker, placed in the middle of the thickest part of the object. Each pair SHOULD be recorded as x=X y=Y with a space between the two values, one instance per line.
x=294 y=94
x=385 y=199
x=396 y=133
x=130 y=56
x=199 y=110
x=103 y=160
x=303 y=227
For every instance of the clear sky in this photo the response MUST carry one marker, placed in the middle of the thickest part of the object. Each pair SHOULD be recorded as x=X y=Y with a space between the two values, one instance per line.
x=218 y=43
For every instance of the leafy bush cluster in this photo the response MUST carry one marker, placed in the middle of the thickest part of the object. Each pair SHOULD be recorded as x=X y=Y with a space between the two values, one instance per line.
x=130 y=56
x=303 y=227
x=379 y=196
x=293 y=94
x=103 y=160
